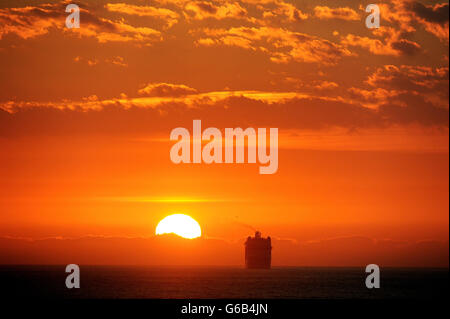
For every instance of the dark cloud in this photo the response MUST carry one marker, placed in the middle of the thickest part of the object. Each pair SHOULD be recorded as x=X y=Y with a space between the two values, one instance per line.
x=406 y=47
x=436 y=14
x=417 y=110
x=172 y=250
x=205 y=6
x=422 y=79
x=295 y=113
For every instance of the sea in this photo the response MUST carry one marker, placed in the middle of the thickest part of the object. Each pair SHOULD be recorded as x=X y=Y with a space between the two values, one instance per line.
x=205 y=282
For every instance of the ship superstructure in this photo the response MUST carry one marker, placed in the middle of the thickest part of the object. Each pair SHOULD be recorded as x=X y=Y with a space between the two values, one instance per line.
x=258 y=251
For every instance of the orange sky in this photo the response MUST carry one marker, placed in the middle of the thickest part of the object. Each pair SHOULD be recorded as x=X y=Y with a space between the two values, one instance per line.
x=86 y=115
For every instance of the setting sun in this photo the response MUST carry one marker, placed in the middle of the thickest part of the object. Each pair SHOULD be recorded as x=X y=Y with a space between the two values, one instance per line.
x=179 y=224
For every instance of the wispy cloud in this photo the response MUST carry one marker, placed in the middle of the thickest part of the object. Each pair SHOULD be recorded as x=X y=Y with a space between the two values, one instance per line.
x=168 y=16
x=324 y=12
x=280 y=44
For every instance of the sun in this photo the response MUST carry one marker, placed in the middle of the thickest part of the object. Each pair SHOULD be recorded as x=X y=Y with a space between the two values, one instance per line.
x=179 y=224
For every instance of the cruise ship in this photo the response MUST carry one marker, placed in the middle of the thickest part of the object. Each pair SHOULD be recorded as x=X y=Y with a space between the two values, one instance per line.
x=258 y=252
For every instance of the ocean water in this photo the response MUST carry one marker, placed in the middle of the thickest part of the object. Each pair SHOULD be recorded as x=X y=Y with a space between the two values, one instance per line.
x=221 y=282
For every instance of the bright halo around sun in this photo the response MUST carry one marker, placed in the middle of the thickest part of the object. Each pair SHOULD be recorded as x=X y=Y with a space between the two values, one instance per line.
x=179 y=224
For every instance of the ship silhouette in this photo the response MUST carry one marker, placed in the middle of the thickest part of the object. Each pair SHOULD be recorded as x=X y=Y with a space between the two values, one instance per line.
x=258 y=252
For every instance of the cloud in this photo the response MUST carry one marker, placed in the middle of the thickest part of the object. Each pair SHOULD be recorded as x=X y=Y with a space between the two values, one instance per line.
x=394 y=38
x=280 y=44
x=163 y=106
x=172 y=250
x=30 y=22
x=89 y=62
x=168 y=16
x=348 y=14
x=411 y=77
x=117 y=60
x=435 y=18
x=275 y=9
x=124 y=33
x=439 y=13
x=420 y=82
x=407 y=93
x=406 y=14
x=405 y=46
x=401 y=20
x=391 y=95
x=373 y=97
x=417 y=110
x=311 y=86
x=391 y=41
x=200 y=10
x=326 y=85
x=166 y=90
